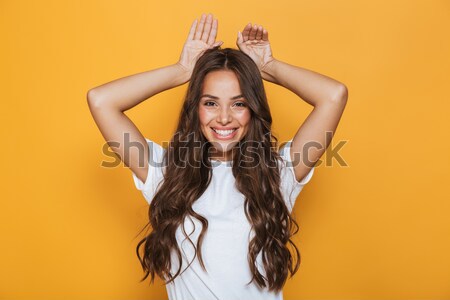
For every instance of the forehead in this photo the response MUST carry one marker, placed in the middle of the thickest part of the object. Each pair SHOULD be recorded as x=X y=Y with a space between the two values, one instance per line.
x=223 y=81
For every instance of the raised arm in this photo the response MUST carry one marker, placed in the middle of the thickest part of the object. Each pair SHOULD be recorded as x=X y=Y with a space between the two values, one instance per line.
x=327 y=95
x=109 y=101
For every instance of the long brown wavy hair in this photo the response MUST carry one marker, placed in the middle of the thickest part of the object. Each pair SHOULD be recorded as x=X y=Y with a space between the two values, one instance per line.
x=254 y=166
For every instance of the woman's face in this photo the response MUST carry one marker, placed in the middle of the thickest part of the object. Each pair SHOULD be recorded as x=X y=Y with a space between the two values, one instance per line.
x=223 y=113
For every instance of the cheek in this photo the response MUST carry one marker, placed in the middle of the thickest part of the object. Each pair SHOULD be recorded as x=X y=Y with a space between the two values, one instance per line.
x=245 y=118
x=202 y=116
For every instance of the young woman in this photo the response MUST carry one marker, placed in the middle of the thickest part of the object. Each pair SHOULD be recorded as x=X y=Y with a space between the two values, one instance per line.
x=221 y=195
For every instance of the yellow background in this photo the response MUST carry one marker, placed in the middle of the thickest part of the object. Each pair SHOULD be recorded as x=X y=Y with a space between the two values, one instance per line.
x=377 y=229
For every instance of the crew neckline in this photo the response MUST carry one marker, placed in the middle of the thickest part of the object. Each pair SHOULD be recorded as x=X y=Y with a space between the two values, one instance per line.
x=216 y=162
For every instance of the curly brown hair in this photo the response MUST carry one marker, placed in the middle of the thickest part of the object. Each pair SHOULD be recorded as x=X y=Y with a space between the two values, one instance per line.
x=257 y=178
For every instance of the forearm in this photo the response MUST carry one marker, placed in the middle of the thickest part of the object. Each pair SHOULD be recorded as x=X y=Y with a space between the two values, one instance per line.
x=127 y=92
x=312 y=87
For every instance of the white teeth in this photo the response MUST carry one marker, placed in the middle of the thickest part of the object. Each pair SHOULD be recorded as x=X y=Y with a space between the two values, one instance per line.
x=224 y=132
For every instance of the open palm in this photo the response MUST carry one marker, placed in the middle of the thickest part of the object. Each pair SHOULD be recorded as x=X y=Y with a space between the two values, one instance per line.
x=254 y=41
x=201 y=38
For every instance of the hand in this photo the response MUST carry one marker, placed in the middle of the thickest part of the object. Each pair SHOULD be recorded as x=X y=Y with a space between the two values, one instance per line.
x=254 y=41
x=201 y=38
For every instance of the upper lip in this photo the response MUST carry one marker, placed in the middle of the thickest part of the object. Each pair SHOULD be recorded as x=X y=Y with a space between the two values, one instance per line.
x=224 y=128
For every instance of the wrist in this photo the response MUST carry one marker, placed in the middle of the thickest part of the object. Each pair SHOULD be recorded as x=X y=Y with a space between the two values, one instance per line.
x=184 y=75
x=268 y=70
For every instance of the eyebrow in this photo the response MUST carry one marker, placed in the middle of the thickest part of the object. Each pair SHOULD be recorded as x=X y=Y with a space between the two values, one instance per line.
x=214 y=97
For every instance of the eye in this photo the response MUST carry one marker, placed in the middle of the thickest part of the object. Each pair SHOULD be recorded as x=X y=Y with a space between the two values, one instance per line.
x=240 y=104
x=209 y=103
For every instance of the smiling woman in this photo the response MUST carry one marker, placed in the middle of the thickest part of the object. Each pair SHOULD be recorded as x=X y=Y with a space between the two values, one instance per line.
x=244 y=200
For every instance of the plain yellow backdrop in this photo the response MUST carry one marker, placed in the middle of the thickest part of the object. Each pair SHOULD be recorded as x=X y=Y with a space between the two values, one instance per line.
x=378 y=228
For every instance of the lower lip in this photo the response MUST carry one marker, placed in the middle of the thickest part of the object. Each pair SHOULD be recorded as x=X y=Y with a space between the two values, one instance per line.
x=220 y=137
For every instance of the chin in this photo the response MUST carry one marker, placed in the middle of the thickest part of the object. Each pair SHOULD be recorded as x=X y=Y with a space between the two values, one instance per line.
x=223 y=146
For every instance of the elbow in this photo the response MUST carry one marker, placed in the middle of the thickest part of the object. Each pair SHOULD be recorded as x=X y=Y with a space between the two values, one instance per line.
x=341 y=95
x=99 y=102
x=93 y=99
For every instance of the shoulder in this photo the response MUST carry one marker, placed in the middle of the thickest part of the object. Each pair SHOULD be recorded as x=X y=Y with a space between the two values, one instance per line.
x=156 y=151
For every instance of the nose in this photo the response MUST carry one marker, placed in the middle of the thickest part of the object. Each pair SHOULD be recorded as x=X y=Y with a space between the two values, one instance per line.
x=224 y=116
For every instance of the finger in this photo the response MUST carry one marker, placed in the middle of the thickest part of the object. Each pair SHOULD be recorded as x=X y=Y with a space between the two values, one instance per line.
x=246 y=32
x=240 y=39
x=252 y=34
x=198 y=32
x=259 y=33
x=207 y=28
x=265 y=35
x=192 y=30
x=213 y=33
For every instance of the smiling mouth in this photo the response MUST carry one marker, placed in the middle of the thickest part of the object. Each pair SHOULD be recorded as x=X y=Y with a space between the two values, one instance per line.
x=224 y=133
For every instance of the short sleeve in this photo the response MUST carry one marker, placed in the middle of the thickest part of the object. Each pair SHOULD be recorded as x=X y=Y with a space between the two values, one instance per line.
x=155 y=172
x=290 y=187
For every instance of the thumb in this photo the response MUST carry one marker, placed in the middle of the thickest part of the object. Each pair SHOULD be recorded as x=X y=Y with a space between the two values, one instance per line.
x=216 y=44
x=240 y=39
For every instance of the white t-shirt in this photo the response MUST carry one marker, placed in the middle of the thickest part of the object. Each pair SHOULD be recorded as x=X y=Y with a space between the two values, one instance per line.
x=225 y=245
